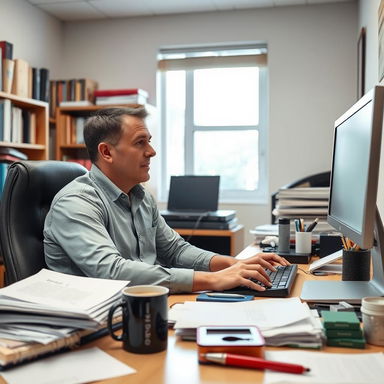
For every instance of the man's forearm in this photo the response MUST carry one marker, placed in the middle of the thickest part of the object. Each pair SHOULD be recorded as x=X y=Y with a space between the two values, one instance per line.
x=219 y=262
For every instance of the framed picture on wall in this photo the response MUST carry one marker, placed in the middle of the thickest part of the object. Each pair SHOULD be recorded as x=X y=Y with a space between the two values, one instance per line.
x=381 y=40
x=361 y=64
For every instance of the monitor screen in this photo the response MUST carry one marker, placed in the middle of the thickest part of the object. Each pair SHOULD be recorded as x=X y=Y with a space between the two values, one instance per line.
x=355 y=169
x=354 y=204
x=194 y=193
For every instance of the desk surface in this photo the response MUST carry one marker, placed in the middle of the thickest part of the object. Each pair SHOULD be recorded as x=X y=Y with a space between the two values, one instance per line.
x=179 y=363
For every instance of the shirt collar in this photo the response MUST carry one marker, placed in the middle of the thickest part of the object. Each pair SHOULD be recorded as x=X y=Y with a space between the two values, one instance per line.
x=110 y=189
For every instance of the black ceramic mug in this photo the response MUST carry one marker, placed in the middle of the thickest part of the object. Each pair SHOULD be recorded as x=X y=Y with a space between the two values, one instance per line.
x=145 y=319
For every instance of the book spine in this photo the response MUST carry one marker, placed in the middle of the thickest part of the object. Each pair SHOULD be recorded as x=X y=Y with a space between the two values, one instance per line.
x=6 y=49
x=344 y=333
x=120 y=92
x=347 y=343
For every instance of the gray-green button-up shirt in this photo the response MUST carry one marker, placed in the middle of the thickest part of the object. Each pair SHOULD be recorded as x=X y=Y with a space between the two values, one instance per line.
x=94 y=229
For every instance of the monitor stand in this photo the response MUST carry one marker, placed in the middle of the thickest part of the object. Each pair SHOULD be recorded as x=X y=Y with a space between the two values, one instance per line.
x=351 y=291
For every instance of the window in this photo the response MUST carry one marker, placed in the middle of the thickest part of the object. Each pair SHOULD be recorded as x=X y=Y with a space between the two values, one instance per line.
x=213 y=104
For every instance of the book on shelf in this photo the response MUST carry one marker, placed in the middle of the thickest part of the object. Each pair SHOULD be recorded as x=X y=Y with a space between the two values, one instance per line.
x=76 y=103
x=7 y=75
x=6 y=49
x=73 y=127
x=44 y=85
x=6 y=120
x=120 y=92
x=121 y=96
x=20 y=83
x=133 y=99
x=35 y=79
x=71 y=93
x=11 y=154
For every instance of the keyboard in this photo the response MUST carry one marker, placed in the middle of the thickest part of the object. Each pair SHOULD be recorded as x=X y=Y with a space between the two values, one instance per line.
x=282 y=281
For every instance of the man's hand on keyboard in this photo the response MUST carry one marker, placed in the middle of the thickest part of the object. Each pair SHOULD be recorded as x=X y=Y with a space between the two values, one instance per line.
x=240 y=273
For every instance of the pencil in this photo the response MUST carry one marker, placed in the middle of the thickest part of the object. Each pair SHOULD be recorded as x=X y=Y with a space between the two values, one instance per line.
x=344 y=243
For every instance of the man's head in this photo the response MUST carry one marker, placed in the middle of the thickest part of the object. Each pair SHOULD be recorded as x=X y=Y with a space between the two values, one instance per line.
x=118 y=142
x=106 y=125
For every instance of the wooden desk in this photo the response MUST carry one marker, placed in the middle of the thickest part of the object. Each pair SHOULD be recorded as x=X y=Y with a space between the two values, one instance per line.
x=179 y=363
x=222 y=241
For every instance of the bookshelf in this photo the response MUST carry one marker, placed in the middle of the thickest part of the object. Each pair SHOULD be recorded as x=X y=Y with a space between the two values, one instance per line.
x=39 y=149
x=69 y=134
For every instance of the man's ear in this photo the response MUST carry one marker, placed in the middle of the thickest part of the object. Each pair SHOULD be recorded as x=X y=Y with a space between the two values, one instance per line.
x=104 y=152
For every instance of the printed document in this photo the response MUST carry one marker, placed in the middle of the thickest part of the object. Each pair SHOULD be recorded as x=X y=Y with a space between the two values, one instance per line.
x=266 y=314
x=336 y=368
x=76 y=367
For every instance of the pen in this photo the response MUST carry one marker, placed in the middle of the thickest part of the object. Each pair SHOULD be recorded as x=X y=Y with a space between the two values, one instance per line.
x=254 y=362
x=312 y=225
x=218 y=294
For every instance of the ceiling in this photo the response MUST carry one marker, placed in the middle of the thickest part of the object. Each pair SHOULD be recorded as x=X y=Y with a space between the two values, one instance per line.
x=69 y=10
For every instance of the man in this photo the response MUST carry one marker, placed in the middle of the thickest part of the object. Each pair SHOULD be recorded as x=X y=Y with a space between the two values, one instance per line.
x=105 y=224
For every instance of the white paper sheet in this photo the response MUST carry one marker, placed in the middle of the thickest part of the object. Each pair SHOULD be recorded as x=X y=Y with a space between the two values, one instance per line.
x=335 y=368
x=69 y=368
x=266 y=314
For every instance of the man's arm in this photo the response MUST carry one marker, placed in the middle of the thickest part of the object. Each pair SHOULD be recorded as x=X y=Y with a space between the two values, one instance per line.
x=228 y=272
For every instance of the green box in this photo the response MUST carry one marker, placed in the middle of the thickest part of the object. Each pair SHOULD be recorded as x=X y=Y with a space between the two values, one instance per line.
x=340 y=320
x=344 y=333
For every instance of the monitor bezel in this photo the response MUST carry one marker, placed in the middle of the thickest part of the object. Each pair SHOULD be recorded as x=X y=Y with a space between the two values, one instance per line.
x=365 y=238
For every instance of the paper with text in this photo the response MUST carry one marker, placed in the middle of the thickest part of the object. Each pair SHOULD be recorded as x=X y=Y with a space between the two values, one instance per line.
x=70 y=368
x=335 y=368
x=266 y=314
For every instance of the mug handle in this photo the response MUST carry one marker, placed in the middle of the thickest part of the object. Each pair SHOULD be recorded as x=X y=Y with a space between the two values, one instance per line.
x=110 y=321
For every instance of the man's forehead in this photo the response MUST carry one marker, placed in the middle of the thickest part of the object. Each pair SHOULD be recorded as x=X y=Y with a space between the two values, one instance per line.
x=135 y=126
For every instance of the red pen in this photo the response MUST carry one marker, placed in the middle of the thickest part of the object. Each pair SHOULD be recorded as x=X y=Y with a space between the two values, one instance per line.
x=254 y=362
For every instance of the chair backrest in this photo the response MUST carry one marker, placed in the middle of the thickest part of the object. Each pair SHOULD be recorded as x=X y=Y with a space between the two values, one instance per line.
x=28 y=192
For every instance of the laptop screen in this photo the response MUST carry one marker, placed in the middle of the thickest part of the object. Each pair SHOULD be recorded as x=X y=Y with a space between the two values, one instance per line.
x=193 y=193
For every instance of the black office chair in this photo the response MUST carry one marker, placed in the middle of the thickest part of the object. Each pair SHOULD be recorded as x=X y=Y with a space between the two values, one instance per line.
x=317 y=180
x=28 y=192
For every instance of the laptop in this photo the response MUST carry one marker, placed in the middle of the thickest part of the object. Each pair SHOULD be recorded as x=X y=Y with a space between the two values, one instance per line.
x=192 y=197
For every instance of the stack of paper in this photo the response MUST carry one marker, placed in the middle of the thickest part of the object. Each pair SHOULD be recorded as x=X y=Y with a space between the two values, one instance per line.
x=306 y=203
x=281 y=321
x=50 y=305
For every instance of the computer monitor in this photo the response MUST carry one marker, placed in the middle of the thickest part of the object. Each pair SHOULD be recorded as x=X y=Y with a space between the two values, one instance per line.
x=353 y=210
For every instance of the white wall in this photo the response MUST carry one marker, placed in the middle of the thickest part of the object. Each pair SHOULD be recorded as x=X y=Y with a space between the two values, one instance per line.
x=36 y=36
x=312 y=62
x=368 y=18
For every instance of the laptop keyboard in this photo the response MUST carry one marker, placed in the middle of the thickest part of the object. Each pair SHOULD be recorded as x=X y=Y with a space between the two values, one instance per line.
x=282 y=281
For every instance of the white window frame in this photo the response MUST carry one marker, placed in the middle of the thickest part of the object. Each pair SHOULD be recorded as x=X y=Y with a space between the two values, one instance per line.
x=260 y=195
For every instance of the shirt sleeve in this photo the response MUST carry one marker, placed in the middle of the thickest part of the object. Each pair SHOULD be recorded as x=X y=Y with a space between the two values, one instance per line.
x=78 y=225
x=173 y=250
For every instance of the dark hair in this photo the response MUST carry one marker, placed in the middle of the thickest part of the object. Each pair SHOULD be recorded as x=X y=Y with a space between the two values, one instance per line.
x=106 y=125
